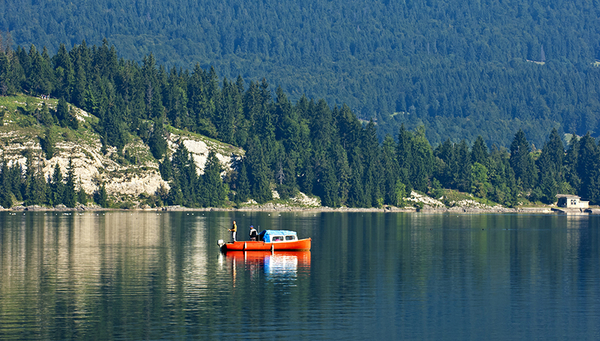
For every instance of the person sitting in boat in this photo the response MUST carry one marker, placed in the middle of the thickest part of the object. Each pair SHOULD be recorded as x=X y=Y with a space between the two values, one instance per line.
x=253 y=233
x=233 y=231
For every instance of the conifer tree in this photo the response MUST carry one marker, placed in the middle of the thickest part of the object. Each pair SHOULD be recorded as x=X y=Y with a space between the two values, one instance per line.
x=82 y=196
x=551 y=169
x=157 y=141
x=258 y=172
x=185 y=177
x=57 y=186
x=479 y=151
x=390 y=168
x=215 y=189
x=35 y=185
x=62 y=112
x=462 y=173
x=404 y=153
x=587 y=169
x=101 y=196
x=571 y=161
x=422 y=161
x=521 y=161
x=243 y=184
x=70 y=195
x=5 y=186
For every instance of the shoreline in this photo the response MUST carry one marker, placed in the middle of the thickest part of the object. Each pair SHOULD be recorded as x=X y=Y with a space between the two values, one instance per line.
x=323 y=209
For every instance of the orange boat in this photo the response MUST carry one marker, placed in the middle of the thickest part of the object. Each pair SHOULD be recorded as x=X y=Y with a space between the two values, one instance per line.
x=269 y=240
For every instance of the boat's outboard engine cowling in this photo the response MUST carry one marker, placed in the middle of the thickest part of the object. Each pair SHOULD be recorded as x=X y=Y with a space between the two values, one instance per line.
x=220 y=242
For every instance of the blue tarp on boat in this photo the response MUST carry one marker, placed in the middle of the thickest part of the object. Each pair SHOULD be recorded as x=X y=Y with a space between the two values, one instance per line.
x=266 y=235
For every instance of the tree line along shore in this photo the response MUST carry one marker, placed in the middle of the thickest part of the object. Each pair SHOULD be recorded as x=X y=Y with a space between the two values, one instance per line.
x=307 y=146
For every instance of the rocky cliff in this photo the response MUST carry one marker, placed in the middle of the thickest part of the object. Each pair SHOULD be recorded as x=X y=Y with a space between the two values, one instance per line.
x=126 y=175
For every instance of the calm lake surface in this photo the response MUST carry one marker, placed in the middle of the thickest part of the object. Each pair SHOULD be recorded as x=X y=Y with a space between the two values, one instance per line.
x=143 y=275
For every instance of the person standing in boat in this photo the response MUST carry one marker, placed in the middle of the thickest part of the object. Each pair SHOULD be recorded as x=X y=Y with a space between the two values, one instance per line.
x=253 y=233
x=233 y=231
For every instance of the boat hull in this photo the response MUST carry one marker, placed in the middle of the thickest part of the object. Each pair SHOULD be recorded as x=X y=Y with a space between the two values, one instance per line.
x=296 y=245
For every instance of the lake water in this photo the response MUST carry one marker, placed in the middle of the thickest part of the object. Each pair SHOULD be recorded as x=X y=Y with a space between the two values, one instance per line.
x=143 y=275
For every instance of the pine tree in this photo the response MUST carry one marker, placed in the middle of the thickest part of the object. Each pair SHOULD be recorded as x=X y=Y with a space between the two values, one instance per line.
x=70 y=195
x=479 y=151
x=157 y=141
x=551 y=169
x=215 y=189
x=571 y=160
x=587 y=169
x=82 y=196
x=422 y=161
x=5 y=186
x=390 y=168
x=258 y=171
x=462 y=173
x=404 y=153
x=184 y=177
x=328 y=187
x=56 y=187
x=62 y=112
x=243 y=184
x=521 y=161
x=101 y=197
x=35 y=185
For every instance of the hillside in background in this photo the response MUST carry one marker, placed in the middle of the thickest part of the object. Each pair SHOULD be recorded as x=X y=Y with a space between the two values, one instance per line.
x=461 y=68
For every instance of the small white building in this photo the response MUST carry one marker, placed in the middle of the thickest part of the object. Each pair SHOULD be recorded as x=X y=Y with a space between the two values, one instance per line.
x=571 y=201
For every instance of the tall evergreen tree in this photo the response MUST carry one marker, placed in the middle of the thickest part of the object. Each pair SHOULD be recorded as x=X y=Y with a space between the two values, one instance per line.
x=404 y=153
x=185 y=177
x=242 y=184
x=69 y=194
x=157 y=141
x=521 y=161
x=5 y=186
x=57 y=187
x=35 y=185
x=422 y=161
x=462 y=173
x=215 y=189
x=259 y=177
x=551 y=170
x=587 y=169
x=479 y=151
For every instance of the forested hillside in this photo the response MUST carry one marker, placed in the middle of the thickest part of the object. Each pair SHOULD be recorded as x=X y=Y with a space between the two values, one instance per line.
x=307 y=145
x=461 y=68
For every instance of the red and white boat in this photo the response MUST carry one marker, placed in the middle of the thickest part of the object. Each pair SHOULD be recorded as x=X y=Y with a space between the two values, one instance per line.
x=269 y=240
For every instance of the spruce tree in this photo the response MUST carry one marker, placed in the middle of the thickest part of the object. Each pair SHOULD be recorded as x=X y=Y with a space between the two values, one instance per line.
x=5 y=186
x=242 y=184
x=70 y=195
x=57 y=186
x=259 y=172
x=479 y=151
x=551 y=169
x=101 y=196
x=157 y=141
x=463 y=164
x=62 y=112
x=521 y=161
x=215 y=189
x=587 y=169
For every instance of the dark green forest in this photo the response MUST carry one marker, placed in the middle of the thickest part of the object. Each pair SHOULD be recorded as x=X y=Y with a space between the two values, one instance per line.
x=307 y=145
x=459 y=68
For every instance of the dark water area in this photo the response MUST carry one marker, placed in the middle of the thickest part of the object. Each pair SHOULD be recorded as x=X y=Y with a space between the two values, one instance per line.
x=409 y=276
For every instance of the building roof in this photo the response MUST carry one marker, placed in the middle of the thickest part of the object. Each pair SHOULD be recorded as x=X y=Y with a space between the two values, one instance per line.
x=568 y=196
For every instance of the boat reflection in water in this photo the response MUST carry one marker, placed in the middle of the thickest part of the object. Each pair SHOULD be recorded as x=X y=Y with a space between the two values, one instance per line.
x=275 y=265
